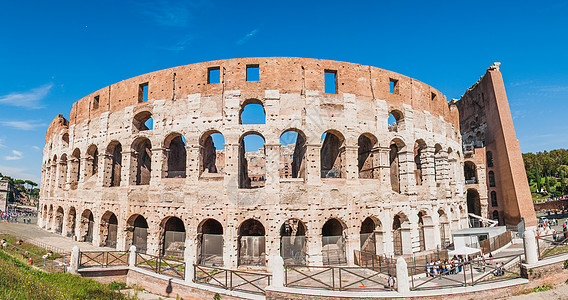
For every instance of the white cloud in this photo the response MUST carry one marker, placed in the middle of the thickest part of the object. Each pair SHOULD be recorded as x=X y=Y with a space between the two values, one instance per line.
x=30 y=99
x=36 y=148
x=22 y=125
x=15 y=155
x=167 y=12
x=247 y=37
x=179 y=46
x=19 y=173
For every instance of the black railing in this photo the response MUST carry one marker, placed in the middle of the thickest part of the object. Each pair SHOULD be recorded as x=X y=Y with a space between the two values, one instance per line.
x=103 y=258
x=551 y=245
x=245 y=281
x=336 y=278
x=161 y=264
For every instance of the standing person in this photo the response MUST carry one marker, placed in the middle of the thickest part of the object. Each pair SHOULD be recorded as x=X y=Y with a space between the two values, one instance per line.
x=391 y=282
x=490 y=258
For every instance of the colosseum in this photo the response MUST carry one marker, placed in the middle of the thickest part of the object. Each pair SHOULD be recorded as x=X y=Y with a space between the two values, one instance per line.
x=228 y=162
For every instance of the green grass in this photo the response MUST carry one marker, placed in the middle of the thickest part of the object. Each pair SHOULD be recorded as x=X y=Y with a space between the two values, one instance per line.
x=28 y=247
x=18 y=281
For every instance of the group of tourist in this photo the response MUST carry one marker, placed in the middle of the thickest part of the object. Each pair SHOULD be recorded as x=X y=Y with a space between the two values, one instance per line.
x=15 y=217
x=445 y=267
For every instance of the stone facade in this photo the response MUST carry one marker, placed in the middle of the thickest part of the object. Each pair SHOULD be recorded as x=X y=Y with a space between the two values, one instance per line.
x=109 y=179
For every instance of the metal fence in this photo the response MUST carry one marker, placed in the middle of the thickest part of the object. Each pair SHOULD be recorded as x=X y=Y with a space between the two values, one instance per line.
x=387 y=265
x=211 y=250
x=161 y=265
x=252 y=282
x=335 y=278
x=551 y=245
x=252 y=251
x=46 y=263
x=103 y=258
x=333 y=250
x=444 y=274
x=174 y=244
x=293 y=250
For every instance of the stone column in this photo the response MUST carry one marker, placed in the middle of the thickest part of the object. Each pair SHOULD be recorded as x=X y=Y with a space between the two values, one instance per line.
x=74 y=261
x=313 y=164
x=272 y=167
x=351 y=163
x=531 y=249
x=128 y=169
x=278 y=276
x=157 y=165
x=132 y=256
x=402 y=276
x=192 y=163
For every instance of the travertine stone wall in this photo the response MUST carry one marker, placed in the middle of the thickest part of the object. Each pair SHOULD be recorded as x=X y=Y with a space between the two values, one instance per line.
x=291 y=91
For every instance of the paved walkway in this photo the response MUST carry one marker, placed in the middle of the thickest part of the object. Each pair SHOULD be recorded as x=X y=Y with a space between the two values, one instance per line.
x=31 y=233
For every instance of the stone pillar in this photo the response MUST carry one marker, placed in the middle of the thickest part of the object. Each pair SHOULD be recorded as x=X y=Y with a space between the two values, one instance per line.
x=531 y=250
x=192 y=163
x=74 y=261
x=351 y=163
x=157 y=165
x=132 y=256
x=189 y=269
x=128 y=169
x=313 y=164
x=402 y=276
x=278 y=276
x=272 y=166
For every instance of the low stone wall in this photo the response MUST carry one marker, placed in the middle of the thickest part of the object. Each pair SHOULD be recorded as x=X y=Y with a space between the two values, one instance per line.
x=558 y=204
x=105 y=275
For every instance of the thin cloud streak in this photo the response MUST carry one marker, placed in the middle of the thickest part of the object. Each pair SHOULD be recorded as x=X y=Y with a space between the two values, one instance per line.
x=166 y=12
x=22 y=125
x=16 y=155
x=18 y=173
x=247 y=37
x=180 y=46
x=30 y=99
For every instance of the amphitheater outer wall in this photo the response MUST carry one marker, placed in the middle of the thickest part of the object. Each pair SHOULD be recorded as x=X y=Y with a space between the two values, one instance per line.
x=291 y=91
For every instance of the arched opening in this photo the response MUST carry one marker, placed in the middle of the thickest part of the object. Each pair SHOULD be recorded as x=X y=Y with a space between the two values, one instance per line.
x=491 y=179
x=176 y=156
x=368 y=156
x=489 y=157
x=212 y=154
x=333 y=243
x=210 y=243
x=75 y=174
x=87 y=226
x=251 y=243
x=292 y=154
x=402 y=243
x=332 y=155
x=92 y=161
x=394 y=164
x=173 y=237
x=494 y=199
x=473 y=206
x=143 y=121
x=470 y=172
x=252 y=161
x=252 y=112
x=50 y=218
x=438 y=164
x=137 y=232
x=65 y=140
x=368 y=236
x=142 y=160
x=419 y=159
x=109 y=230
x=59 y=220
x=63 y=171
x=71 y=220
x=293 y=242
x=44 y=217
x=496 y=216
x=114 y=160
x=395 y=121
x=444 y=228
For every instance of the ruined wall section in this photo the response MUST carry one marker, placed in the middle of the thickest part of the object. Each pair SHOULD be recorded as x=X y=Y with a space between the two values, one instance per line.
x=486 y=121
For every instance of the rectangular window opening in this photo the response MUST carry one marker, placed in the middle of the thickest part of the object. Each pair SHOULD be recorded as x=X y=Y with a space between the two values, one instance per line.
x=253 y=73
x=96 y=102
x=213 y=75
x=433 y=96
x=330 y=81
x=143 y=92
x=393 y=85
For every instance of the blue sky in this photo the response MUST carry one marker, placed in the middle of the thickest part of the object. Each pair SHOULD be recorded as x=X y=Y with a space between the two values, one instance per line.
x=54 y=53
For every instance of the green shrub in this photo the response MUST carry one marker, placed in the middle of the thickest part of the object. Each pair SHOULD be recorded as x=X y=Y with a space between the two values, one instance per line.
x=217 y=296
x=117 y=285
x=541 y=288
x=566 y=264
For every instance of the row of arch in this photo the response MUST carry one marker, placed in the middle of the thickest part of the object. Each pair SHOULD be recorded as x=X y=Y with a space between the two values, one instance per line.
x=251 y=235
x=211 y=162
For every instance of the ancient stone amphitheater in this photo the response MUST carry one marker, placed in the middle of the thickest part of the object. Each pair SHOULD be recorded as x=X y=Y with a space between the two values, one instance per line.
x=346 y=157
